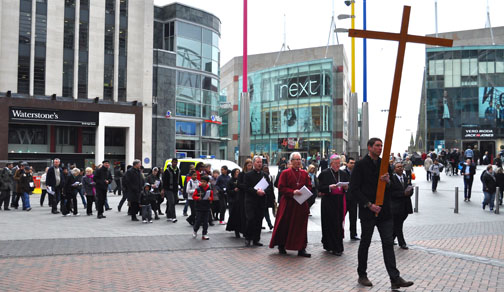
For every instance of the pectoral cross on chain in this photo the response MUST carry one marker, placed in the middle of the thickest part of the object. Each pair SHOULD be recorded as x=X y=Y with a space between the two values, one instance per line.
x=403 y=37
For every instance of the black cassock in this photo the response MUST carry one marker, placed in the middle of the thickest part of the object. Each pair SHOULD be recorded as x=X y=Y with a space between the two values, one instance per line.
x=332 y=209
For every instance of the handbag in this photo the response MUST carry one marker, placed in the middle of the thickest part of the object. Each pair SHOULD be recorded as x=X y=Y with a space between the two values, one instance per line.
x=275 y=209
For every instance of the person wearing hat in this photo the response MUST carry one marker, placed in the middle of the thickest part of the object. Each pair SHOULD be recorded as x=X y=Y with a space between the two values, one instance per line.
x=146 y=198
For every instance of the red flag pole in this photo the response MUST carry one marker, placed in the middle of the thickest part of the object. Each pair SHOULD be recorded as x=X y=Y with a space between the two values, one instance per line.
x=244 y=46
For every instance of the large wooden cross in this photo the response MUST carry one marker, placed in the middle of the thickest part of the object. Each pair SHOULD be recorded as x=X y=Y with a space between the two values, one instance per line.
x=403 y=37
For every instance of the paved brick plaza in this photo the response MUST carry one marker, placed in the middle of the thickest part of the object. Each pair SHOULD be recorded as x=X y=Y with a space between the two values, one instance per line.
x=448 y=252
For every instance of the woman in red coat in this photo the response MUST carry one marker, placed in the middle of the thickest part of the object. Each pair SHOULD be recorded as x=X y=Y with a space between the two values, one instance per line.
x=291 y=223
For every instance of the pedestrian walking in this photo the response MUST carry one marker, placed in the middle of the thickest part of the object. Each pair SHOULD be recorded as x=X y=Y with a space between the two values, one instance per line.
x=427 y=164
x=156 y=189
x=232 y=191
x=43 y=188
x=255 y=201
x=202 y=197
x=134 y=185
x=103 y=178
x=468 y=171
x=124 y=195
x=190 y=187
x=489 y=187
x=364 y=183
x=270 y=198
x=237 y=220
x=146 y=199
x=400 y=194
x=55 y=181
x=351 y=202
x=172 y=181
x=118 y=175
x=499 y=177
x=436 y=170
x=333 y=187
x=18 y=194
x=290 y=232
x=26 y=186
x=89 y=190
x=6 y=184
x=221 y=188
x=71 y=189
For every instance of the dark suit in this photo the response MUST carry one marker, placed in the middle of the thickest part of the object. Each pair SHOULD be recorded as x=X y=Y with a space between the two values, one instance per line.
x=468 y=179
x=352 y=209
x=102 y=178
x=57 y=189
x=400 y=205
x=363 y=183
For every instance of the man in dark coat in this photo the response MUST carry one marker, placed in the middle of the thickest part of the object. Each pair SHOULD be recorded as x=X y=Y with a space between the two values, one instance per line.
x=55 y=181
x=400 y=191
x=468 y=171
x=103 y=178
x=134 y=182
x=255 y=202
x=290 y=232
x=118 y=174
x=352 y=208
x=333 y=205
x=6 y=180
x=172 y=180
x=363 y=183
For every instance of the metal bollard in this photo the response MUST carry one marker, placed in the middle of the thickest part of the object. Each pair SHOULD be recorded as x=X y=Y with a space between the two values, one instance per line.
x=416 y=199
x=497 y=200
x=456 y=201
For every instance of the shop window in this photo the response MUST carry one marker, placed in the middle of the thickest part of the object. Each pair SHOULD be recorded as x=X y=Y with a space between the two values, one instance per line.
x=88 y=137
x=27 y=134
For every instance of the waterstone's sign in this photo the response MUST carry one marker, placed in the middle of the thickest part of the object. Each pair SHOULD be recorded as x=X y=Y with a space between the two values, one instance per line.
x=477 y=133
x=53 y=117
x=302 y=86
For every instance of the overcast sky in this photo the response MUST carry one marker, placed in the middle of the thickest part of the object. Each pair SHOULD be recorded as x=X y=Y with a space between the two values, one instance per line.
x=308 y=23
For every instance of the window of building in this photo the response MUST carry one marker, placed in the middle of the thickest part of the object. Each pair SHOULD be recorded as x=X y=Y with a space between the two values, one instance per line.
x=115 y=137
x=82 y=86
x=65 y=135
x=40 y=48
x=188 y=53
x=108 y=77
x=188 y=109
x=88 y=137
x=27 y=134
x=123 y=49
x=68 y=48
x=25 y=17
x=188 y=30
x=188 y=79
x=169 y=36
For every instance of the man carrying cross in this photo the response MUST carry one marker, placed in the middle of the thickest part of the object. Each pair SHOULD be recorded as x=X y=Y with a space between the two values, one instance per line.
x=363 y=184
x=368 y=189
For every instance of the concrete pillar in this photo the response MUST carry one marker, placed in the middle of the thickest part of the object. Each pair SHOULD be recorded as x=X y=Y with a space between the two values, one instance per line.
x=96 y=48
x=54 y=47
x=116 y=49
x=99 y=144
x=364 y=129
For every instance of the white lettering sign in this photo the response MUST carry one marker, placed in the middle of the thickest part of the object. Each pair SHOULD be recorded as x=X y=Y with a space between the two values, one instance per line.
x=298 y=89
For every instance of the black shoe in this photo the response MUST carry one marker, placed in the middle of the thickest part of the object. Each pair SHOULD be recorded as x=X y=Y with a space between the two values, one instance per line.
x=161 y=213
x=281 y=250
x=262 y=227
x=248 y=242
x=156 y=217
x=354 y=238
x=55 y=212
x=337 y=253
x=257 y=243
x=364 y=281
x=29 y=209
x=108 y=209
x=400 y=282
x=90 y=214
x=118 y=209
x=303 y=253
x=7 y=209
x=404 y=246
x=211 y=223
x=237 y=234
x=101 y=217
x=134 y=219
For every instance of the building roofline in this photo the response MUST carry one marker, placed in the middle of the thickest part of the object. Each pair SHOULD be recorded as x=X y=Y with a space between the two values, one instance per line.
x=189 y=6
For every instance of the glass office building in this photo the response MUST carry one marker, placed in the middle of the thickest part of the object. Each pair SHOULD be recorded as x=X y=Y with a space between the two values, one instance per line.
x=186 y=83
x=291 y=109
x=465 y=97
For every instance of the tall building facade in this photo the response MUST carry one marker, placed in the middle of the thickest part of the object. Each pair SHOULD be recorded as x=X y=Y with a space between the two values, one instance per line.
x=463 y=100
x=186 y=83
x=76 y=80
x=299 y=101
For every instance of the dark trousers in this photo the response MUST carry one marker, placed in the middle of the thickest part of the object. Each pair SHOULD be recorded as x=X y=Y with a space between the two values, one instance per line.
x=254 y=214
x=147 y=212
x=123 y=199
x=134 y=209
x=267 y=217
x=352 y=208
x=55 y=199
x=170 y=204
x=15 y=199
x=100 y=200
x=468 y=186
x=386 y=230
x=89 y=205
x=70 y=204
x=42 y=198
x=118 y=187
x=429 y=175
x=398 y=228
x=191 y=218
x=201 y=220
x=222 y=207
x=435 y=180
x=5 y=199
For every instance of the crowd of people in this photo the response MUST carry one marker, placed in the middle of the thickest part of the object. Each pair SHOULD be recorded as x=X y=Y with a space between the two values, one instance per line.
x=343 y=185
